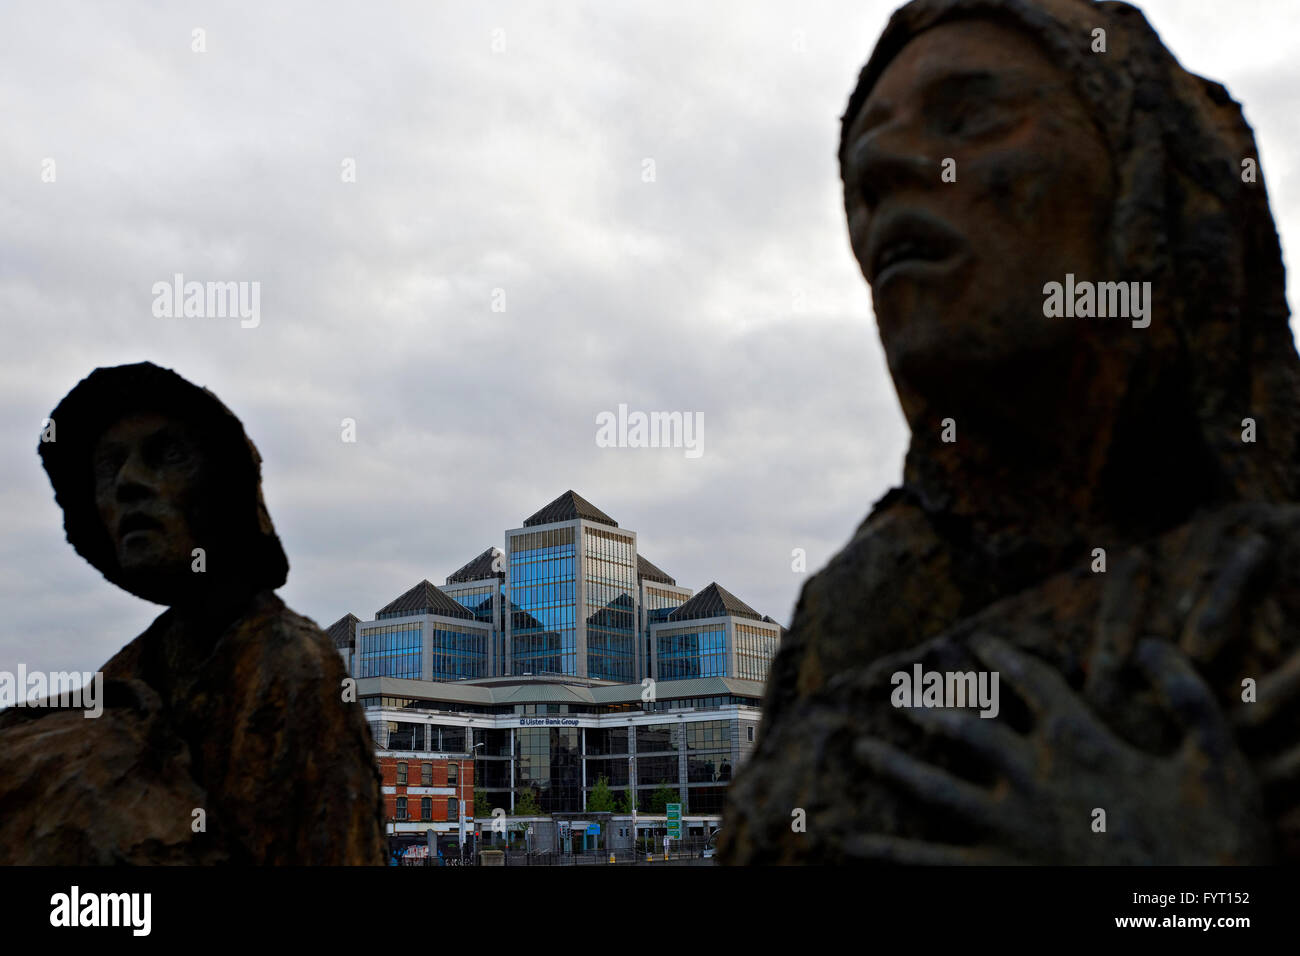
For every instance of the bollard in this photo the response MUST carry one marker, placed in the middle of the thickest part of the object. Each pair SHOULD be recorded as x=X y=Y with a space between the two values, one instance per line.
x=611 y=858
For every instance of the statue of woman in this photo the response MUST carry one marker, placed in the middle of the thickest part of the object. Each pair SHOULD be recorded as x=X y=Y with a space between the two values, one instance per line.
x=226 y=735
x=1100 y=511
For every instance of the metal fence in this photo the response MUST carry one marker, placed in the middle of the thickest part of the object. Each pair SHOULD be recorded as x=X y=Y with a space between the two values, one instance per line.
x=680 y=852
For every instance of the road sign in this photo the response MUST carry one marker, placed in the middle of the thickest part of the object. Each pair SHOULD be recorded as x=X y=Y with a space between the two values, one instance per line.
x=675 y=821
x=593 y=829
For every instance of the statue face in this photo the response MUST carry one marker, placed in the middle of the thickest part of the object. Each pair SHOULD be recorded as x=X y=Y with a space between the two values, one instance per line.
x=957 y=268
x=148 y=490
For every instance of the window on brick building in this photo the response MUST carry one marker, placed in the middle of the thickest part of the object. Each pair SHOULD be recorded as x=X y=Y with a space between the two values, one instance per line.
x=453 y=809
x=451 y=774
x=401 y=808
x=401 y=774
x=426 y=774
x=426 y=808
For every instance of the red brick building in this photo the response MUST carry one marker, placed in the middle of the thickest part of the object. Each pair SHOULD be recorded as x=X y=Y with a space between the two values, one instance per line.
x=427 y=793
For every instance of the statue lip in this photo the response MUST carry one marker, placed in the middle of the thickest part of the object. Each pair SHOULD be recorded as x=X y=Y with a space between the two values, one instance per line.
x=137 y=521
x=909 y=237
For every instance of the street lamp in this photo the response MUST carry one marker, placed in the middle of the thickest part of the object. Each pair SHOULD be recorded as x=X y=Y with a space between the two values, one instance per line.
x=631 y=788
x=461 y=808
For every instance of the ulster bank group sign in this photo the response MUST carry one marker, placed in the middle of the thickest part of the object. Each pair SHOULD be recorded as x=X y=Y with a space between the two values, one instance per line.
x=548 y=721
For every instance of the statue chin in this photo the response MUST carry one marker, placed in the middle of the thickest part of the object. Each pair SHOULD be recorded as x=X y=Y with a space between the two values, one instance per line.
x=958 y=356
x=146 y=556
x=161 y=582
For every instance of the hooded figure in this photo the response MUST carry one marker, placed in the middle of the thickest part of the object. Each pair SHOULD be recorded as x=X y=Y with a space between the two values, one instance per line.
x=225 y=736
x=1097 y=523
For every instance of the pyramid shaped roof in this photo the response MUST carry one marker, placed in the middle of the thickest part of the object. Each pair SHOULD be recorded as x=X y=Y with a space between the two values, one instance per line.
x=651 y=572
x=567 y=507
x=343 y=632
x=478 y=568
x=425 y=598
x=714 y=601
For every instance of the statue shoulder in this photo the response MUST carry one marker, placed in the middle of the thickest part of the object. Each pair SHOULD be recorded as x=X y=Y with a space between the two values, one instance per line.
x=276 y=631
x=72 y=788
x=886 y=586
x=274 y=704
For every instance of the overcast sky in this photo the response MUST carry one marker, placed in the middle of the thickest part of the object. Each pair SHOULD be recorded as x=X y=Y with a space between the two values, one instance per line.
x=726 y=286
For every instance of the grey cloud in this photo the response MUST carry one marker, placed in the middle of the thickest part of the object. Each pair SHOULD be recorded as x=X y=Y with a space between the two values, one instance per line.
x=475 y=171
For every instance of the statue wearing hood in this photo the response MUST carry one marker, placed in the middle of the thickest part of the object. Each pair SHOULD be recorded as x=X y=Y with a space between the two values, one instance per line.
x=1098 y=511
x=226 y=734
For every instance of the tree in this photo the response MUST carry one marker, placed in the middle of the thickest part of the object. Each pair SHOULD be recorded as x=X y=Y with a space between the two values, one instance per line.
x=482 y=806
x=601 y=800
x=662 y=797
x=629 y=804
x=526 y=804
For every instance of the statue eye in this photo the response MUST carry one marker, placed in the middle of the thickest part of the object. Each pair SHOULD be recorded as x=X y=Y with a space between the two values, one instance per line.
x=979 y=117
x=972 y=120
x=107 y=465
x=174 y=453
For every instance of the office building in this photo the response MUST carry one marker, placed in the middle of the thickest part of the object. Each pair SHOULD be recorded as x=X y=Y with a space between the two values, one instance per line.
x=561 y=658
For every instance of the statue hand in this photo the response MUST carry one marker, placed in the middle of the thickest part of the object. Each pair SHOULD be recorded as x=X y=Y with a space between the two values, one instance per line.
x=1198 y=804
x=1215 y=630
x=1270 y=717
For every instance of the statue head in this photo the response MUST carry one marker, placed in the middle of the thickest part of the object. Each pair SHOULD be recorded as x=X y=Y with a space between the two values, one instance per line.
x=956 y=263
x=160 y=487
x=1115 y=166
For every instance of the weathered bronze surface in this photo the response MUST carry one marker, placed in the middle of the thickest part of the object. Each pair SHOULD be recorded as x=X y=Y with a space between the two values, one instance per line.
x=229 y=703
x=1121 y=690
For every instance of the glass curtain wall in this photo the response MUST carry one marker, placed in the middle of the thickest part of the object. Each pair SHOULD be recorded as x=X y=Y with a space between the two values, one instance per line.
x=693 y=653
x=611 y=603
x=390 y=651
x=543 y=620
x=659 y=604
x=755 y=648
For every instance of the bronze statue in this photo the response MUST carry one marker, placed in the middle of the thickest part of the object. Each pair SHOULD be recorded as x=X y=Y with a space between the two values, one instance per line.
x=1102 y=511
x=225 y=735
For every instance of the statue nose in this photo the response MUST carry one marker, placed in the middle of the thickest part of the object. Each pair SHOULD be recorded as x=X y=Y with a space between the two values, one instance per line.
x=892 y=160
x=134 y=479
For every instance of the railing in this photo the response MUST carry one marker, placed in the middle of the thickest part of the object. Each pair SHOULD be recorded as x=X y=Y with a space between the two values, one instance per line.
x=680 y=851
x=446 y=859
